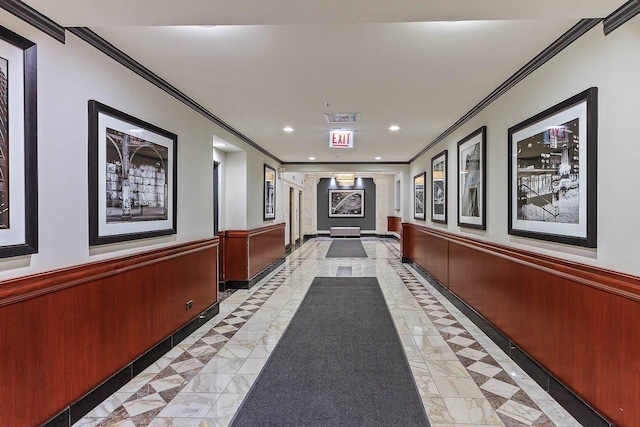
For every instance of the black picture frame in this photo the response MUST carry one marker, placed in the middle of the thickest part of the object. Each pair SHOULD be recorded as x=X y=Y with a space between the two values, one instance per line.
x=341 y=203
x=419 y=196
x=133 y=177
x=269 y=199
x=19 y=214
x=439 y=200
x=472 y=180
x=553 y=173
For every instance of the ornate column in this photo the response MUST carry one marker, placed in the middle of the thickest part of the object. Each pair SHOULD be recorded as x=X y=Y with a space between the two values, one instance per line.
x=310 y=202
x=382 y=202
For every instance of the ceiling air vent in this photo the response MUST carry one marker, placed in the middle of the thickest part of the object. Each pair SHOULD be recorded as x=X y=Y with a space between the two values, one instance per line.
x=342 y=117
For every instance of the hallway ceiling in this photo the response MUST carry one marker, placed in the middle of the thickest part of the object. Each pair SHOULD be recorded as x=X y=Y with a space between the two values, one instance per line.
x=261 y=66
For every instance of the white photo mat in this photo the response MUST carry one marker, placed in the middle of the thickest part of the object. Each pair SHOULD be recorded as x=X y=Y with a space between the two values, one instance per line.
x=113 y=229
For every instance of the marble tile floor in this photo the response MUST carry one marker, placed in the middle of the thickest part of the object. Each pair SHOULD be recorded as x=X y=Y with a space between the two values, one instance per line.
x=464 y=379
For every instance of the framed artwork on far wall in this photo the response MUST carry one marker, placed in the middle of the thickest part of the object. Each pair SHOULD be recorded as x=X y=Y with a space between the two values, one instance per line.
x=132 y=177
x=346 y=203
x=18 y=145
x=439 y=188
x=553 y=173
x=472 y=177
x=419 y=195
x=269 y=192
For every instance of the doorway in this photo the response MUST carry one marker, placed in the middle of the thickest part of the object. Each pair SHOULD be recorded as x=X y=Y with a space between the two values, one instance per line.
x=292 y=219
x=216 y=180
x=300 y=235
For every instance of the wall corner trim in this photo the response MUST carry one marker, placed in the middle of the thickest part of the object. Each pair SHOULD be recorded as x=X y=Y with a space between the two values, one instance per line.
x=119 y=56
x=549 y=52
x=620 y=16
x=35 y=18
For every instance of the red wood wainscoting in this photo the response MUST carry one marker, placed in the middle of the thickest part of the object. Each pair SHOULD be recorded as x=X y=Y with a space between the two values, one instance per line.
x=248 y=252
x=394 y=223
x=64 y=332
x=579 y=322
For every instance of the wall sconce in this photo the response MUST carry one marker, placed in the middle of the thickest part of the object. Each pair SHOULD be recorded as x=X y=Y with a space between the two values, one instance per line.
x=346 y=179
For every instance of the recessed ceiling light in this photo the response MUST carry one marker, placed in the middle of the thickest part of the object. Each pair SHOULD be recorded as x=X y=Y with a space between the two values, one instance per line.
x=288 y=129
x=394 y=127
x=378 y=158
x=312 y=158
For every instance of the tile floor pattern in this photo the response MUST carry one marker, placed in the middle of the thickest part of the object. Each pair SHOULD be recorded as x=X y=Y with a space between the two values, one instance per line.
x=464 y=379
x=510 y=402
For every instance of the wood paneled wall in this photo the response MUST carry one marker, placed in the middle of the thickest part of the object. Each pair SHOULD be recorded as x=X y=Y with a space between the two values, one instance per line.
x=394 y=223
x=248 y=252
x=579 y=322
x=64 y=332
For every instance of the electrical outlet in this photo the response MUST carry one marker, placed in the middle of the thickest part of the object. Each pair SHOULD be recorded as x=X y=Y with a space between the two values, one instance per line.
x=189 y=305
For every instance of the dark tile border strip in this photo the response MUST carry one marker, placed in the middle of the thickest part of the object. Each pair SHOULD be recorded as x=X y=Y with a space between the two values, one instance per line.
x=308 y=237
x=387 y=236
x=120 y=414
x=95 y=397
x=578 y=408
x=248 y=284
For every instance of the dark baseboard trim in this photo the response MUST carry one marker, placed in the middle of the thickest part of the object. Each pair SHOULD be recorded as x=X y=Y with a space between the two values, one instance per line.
x=308 y=237
x=620 y=16
x=34 y=18
x=287 y=250
x=578 y=408
x=552 y=50
x=387 y=236
x=119 y=56
x=248 y=284
x=88 y=402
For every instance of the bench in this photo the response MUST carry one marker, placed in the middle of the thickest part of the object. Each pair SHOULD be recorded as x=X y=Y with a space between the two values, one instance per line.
x=344 y=231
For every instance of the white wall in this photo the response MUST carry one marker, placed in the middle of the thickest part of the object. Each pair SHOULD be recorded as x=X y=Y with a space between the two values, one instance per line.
x=610 y=63
x=399 y=177
x=294 y=179
x=68 y=76
x=285 y=214
x=235 y=205
x=255 y=188
x=221 y=157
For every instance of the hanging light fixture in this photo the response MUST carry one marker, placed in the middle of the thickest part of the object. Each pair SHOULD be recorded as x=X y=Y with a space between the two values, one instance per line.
x=346 y=179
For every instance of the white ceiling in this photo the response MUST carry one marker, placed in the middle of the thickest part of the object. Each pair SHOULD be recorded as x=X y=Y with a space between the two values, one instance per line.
x=275 y=64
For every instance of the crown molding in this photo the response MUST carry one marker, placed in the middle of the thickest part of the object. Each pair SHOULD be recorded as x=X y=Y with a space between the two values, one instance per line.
x=621 y=15
x=116 y=54
x=35 y=18
x=552 y=50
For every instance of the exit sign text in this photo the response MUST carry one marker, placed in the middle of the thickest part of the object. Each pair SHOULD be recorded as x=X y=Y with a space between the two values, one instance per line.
x=341 y=139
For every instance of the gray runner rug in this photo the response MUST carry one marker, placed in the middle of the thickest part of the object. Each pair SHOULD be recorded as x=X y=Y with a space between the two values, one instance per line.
x=348 y=248
x=339 y=363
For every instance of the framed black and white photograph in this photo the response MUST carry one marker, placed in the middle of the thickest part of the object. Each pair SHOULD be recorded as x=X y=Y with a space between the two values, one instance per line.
x=439 y=188
x=419 y=195
x=472 y=180
x=18 y=145
x=132 y=177
x=269 y=192
x=346 y=203
x=553 y=173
